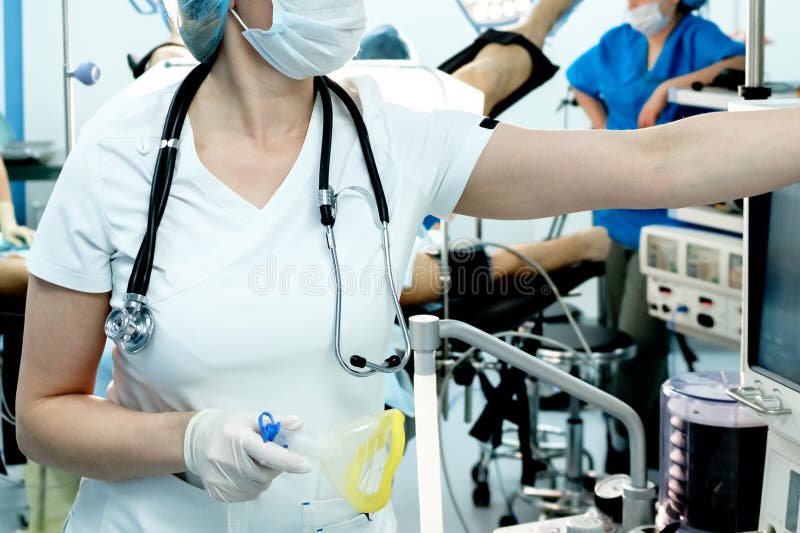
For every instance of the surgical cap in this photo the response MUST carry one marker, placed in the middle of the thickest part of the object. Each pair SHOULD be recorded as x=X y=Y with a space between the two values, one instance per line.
x=201 y=24
x=385 y=42
x=694 y=4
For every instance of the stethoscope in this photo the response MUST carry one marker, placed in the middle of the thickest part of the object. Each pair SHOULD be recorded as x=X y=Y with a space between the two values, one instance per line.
x=131 y=326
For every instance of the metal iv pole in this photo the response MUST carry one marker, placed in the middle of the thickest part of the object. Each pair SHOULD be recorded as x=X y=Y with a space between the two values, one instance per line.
x=88 y=73
x=754 y=88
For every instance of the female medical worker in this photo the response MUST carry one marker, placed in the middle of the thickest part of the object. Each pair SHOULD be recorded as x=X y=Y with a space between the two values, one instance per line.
x=622 y=84
x=230 y=343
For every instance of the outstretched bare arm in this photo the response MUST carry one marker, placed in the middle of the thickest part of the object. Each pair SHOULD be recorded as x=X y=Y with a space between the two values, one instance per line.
x=721 y=156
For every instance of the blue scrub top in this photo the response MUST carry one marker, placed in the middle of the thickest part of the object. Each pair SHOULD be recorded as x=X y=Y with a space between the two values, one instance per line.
x=615 y=72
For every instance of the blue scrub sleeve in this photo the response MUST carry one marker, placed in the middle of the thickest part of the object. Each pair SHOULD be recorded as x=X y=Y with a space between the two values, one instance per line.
x=583 y=74
x=711 y=45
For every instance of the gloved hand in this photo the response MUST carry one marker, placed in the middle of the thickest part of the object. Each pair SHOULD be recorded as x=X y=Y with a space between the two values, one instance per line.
x=12 y=232
x=226 y=452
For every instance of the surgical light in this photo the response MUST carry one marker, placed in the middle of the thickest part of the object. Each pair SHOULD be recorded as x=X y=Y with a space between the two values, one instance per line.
x=484 y=14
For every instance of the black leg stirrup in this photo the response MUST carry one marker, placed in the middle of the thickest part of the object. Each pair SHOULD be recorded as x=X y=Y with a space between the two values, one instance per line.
x=542 y=68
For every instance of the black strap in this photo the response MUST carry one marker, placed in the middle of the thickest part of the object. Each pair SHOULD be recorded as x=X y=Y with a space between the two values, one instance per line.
x=542 y=68
x=139 y=281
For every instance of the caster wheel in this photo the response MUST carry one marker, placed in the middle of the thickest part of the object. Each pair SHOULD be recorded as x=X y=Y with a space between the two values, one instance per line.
x=481 y=495
x=479 y=474
x=508 y=520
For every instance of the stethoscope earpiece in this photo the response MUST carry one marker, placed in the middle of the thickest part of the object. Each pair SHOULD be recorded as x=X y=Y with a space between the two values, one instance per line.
x=358 y=362
x=391 y=363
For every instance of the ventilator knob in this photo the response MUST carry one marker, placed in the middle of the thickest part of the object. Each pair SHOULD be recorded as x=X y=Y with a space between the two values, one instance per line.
x=608 y=496
x=585 y=524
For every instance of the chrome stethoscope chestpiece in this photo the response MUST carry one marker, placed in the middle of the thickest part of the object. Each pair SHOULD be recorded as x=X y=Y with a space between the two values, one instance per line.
x=131 y=326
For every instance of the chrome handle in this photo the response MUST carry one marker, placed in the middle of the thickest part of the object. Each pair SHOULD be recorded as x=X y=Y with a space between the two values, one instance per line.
x=759 y=402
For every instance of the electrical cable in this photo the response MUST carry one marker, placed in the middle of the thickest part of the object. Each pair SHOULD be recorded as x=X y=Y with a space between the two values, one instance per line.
x=471 y=351
x=445 y=472
x=5 y=410
x=441 y=399
x=5 y=405
x=503 y=491
x=532 y=336
x=536 y=266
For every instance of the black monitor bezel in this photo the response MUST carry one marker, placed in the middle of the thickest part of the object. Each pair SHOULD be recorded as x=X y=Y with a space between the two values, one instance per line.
x=758 y=221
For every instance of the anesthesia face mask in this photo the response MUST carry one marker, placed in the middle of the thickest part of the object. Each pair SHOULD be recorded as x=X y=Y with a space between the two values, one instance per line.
x=359 y=458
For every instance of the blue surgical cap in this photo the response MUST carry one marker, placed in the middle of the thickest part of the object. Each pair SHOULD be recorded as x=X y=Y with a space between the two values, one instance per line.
x=202 y=25
x=384 y=42
x=695 y=4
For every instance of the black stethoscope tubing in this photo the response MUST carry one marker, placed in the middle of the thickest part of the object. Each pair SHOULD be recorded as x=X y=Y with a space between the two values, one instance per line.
x=133 y=324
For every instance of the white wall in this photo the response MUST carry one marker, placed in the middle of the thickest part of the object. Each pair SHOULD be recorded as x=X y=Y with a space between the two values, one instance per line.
x=103 y=32
x=782 y=27
x=106 y=31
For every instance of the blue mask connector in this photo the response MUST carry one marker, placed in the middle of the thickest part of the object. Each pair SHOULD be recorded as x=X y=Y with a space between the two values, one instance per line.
x=268 y=427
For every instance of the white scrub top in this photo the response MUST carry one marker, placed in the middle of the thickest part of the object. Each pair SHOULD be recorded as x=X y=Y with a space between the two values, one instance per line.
x=244 y=297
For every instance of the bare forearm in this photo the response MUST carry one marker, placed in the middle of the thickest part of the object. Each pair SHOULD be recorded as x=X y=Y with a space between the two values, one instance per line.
x=95 y=438
x=717 y=157
x=708 y=74
x=59 y=423
x=722 y=156
x=593 y=108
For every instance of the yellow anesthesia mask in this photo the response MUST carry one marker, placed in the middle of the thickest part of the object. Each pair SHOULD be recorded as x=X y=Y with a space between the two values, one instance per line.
x=359 y=458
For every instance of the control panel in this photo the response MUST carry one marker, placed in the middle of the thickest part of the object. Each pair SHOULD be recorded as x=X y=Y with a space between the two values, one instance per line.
x=694 y=281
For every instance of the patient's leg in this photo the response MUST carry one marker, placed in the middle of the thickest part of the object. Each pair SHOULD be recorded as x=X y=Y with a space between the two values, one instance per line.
x=499 y=70
x=590 y=245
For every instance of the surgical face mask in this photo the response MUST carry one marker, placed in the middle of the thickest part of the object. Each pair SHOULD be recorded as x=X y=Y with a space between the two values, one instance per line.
x=648 y=19
x=309 y=37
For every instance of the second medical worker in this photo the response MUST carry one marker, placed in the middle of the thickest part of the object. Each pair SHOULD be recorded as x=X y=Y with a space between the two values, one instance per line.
x=623 y=84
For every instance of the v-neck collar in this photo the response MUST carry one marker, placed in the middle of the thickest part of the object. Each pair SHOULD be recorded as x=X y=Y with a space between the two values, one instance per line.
x=257 y=224
x=668 y=44
x=230 y=200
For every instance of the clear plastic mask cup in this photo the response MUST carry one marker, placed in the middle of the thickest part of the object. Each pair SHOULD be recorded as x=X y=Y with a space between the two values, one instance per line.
x=359 y=458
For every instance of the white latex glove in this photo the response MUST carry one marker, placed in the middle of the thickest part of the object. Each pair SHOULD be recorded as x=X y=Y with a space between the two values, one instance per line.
x=226 y=452
x=12 y=232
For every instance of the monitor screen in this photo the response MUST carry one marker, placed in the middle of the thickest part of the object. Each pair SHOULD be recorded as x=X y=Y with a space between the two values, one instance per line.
x=774 y=295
